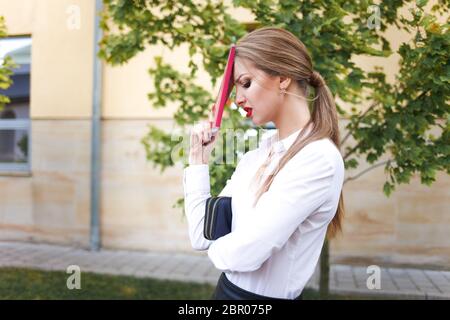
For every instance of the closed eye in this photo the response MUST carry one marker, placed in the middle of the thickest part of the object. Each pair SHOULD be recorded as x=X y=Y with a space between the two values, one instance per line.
x=246 y=84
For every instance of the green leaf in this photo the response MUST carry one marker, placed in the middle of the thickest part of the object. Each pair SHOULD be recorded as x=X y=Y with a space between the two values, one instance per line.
x=388 y=188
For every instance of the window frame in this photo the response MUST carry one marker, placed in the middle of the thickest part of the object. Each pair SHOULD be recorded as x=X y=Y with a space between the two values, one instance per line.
x=21 y=169
x=17 y=124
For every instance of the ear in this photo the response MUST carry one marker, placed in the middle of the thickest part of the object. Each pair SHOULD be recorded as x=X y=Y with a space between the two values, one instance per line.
x=285 y=82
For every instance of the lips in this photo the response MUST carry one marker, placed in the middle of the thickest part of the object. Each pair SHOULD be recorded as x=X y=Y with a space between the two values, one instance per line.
x=249 y=111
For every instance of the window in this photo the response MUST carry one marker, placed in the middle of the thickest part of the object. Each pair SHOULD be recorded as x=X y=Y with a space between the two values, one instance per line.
x=15 y=116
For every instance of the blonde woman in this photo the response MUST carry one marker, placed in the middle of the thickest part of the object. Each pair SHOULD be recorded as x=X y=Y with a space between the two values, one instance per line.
x=287 y=193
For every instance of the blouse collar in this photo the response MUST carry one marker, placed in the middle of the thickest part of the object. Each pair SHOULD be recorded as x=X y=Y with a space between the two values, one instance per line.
x=272 y=139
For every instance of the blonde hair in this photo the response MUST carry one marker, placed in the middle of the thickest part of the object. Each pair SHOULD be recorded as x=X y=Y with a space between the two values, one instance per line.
x=278 y=52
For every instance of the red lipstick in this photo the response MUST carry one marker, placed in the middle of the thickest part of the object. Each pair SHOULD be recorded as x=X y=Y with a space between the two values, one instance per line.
x=249 y=111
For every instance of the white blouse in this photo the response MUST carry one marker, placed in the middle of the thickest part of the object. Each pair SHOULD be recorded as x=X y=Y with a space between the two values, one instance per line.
x=274 y=247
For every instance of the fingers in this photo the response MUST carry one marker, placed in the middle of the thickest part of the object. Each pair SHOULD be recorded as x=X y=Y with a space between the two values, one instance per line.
x=202 y=141
x=194 y=138
x=206 y=130
x=211 y=114
x=201 y=133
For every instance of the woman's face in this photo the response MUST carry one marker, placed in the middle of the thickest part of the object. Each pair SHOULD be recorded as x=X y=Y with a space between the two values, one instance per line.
x=256 y=92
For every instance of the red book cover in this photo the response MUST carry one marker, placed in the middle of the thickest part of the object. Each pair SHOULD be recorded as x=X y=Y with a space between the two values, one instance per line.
x=225 y=90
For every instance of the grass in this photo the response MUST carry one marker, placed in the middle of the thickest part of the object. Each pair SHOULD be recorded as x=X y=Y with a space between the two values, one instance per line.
x=31 y=284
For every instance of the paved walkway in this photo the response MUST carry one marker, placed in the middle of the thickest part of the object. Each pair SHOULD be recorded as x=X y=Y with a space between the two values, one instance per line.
x=402 y=283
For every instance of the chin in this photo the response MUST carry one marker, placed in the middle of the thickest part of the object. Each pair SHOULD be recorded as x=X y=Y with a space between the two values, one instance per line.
x=255 y=122
x=258 y=122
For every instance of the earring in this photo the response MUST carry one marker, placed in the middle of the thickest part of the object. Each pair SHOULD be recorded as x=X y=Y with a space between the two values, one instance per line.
x=282 y=91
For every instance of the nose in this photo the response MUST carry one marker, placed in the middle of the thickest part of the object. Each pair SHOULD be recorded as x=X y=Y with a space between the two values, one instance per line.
x=240 y=99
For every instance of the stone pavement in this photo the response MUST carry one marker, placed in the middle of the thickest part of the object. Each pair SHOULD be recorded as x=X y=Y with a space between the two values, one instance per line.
x=344 y=279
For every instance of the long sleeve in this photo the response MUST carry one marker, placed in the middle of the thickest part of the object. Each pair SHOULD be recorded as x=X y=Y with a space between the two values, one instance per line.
x=196 y=191
x=298 y=190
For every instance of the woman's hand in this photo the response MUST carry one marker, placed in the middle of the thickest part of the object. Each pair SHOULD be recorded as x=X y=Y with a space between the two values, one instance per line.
x=202 y=142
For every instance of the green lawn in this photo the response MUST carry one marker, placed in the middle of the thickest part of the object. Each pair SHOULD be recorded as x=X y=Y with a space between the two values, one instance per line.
x=21 y=283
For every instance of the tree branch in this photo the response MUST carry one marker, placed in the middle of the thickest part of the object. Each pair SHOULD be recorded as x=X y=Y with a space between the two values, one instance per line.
x=358 y=120
x=366 y=170
x=352 y=150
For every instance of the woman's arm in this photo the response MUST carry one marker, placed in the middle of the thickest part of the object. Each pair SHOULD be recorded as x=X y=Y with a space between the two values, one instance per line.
x=197 y=185
x=196 y=192
x=196 y=182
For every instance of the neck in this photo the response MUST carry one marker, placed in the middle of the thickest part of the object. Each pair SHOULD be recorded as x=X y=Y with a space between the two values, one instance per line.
x=293 y=116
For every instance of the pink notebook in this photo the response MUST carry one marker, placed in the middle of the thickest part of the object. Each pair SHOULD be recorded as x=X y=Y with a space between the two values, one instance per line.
x=224 y=93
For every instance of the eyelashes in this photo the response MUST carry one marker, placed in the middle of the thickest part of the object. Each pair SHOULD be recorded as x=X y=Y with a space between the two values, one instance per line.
x=246 y=84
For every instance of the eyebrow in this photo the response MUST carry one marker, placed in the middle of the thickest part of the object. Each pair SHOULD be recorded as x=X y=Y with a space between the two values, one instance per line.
x=239 y=77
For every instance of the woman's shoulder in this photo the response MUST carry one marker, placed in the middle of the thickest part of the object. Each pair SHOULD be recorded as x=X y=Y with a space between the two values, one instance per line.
x=322 y=148
x=248 y=156
x=326 y=150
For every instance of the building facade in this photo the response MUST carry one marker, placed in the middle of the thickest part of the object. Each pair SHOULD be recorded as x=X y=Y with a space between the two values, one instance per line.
x=49 y=199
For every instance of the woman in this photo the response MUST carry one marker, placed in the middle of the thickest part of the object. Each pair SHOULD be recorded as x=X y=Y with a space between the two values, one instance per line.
x=286 y=193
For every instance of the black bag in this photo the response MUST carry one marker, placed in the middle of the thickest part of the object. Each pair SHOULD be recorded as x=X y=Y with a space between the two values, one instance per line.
x=217 y=217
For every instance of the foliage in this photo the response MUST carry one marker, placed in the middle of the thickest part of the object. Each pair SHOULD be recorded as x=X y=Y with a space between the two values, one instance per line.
x=6 y=68
x=401 y=115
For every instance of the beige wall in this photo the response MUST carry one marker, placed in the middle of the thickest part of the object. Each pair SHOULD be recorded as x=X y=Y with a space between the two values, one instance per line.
x=411 y=226
x=125 y=88
x=136 y=199
x=51 y=205
x=61 y=77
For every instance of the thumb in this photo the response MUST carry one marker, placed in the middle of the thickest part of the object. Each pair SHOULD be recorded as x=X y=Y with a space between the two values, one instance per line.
x=210 y=145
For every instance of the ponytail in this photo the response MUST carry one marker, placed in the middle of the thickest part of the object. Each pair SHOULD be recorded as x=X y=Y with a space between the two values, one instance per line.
x=325 y=115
